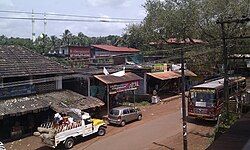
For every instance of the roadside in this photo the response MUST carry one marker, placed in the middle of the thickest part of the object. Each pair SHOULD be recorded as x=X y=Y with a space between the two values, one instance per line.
x=150 y=113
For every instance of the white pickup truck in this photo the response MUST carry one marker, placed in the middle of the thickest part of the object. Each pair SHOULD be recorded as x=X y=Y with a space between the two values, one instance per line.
x=52 y=134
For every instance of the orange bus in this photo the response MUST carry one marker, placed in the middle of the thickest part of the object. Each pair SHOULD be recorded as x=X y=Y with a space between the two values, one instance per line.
x=206 y=100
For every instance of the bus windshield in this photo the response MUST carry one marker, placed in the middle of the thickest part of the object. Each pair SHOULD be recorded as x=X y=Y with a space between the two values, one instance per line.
x=207 y=96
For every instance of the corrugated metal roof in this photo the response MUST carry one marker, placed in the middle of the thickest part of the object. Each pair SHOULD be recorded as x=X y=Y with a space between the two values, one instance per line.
x=59 y=101
x=110 y=79
x=19 y=61
x=187 y=73
x=165 y=75
x=112 y=48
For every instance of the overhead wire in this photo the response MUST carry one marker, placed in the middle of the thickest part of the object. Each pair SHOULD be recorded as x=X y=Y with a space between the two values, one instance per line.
x=68 y=20
x=70 y=15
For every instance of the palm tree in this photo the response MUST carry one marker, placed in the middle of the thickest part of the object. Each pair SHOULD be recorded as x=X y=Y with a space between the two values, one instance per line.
x=66 y=37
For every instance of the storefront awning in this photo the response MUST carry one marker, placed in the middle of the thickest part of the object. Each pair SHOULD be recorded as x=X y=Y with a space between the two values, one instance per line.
x=58 y=101
x=111 y=79
x=164 y=75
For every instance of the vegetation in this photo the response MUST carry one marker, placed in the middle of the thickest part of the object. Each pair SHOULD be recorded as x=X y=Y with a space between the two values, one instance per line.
x=181 y=19
x=195 y=19
x=225 y=122
x=44 y=43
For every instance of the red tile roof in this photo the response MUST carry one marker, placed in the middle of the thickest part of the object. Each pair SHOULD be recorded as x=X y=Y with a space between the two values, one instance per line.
x=115 y=48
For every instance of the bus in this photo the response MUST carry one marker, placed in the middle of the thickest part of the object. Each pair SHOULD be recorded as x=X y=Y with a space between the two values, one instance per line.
x=206 y=100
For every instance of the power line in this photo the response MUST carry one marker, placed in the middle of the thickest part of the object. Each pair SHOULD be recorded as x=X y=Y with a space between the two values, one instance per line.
x=69 y=15
x=67 y=20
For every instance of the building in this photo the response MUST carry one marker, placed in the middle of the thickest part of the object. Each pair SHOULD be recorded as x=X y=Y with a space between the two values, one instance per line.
x=32 y=89
x=71 y=52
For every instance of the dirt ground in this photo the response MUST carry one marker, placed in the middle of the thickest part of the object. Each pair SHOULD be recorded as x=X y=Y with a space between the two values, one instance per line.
x=199 y=135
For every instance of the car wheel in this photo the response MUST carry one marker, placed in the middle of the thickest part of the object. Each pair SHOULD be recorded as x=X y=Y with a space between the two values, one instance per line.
x=139 y=117
x=123 y=123
x=101 y=131
x=69 y=143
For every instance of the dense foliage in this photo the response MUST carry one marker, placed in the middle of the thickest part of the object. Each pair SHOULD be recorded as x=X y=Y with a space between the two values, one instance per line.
x=44 y=43
x=194 y=19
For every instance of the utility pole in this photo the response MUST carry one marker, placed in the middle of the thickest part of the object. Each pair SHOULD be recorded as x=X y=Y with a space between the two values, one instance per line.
x=184 y=116
x=45 y=23
x=33 y=25
x=225 y=55
x=225 y=65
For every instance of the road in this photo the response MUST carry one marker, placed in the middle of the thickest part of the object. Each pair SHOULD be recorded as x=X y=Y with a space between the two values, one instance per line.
x=160 y=128
x=141 y=136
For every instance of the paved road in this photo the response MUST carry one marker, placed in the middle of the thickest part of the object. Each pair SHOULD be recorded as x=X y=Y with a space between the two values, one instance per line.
x=141 y=137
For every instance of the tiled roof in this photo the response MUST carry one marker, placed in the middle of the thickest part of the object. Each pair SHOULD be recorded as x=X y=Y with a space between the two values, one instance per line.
x=59 y=101
x=115 y=48
x=19 y=61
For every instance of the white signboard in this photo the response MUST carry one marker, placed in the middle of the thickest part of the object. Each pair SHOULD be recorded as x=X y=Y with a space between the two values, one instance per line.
x=200 y=104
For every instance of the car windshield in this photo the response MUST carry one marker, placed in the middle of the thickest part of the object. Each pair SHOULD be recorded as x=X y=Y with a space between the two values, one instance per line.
x=114 y=112
x=203 y=96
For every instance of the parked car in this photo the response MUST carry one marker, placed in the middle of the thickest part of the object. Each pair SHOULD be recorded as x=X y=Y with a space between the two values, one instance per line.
x=2 y=146
x=123 y=114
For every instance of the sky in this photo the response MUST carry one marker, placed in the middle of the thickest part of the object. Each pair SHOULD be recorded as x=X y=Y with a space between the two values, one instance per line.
x=101 y=8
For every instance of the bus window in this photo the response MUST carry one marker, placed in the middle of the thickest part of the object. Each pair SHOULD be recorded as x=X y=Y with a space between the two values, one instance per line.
x=203 y=96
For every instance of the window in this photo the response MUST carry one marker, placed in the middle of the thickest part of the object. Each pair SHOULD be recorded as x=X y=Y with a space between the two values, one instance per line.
x=114 y=112
x=132 y=110
x=125 y=111
x=88 y=121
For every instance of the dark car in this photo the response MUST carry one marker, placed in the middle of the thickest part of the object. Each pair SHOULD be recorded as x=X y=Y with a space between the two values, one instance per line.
x=122 y=115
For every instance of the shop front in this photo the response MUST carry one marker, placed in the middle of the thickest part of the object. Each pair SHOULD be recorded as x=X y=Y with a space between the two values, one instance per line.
x=119 y=88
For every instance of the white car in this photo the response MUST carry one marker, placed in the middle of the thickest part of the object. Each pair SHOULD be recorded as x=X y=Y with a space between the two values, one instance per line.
x=2 y=146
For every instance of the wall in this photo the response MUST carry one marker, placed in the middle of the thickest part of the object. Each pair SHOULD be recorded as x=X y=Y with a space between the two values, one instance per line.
x=79 y=52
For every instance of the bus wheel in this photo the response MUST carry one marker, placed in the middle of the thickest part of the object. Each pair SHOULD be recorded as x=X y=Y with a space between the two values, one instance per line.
x=69 y=143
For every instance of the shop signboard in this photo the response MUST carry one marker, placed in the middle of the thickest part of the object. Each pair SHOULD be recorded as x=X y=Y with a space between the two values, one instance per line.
x=160 y=68
x=128 y=86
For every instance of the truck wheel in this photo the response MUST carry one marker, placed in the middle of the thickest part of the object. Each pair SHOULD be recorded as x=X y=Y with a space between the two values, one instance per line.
x=69 y=143
x=101 y=131
x=123 y=123
x=139 y=117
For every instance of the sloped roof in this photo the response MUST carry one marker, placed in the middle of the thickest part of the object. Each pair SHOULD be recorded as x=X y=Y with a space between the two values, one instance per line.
x=58 y=101
x=19 y=61
x=110 y=79
x=187 y=73
x=112 y=48
x=165 y=75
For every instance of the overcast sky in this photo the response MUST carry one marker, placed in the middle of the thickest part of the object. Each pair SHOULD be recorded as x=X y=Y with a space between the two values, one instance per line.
x=102 y=8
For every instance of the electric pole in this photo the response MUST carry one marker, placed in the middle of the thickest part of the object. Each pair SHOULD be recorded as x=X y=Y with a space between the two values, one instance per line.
x=45 y=23
x=184 y=116
x=225 y=65
x=33 y=25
